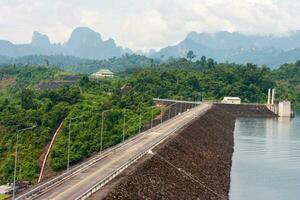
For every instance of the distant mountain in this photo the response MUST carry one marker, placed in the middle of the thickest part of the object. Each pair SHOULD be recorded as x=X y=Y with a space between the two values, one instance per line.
x=83 y=43
x=222 y=46
x=236 y=47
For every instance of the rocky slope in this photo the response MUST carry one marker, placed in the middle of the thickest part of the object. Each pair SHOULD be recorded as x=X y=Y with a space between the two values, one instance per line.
x=193 y=164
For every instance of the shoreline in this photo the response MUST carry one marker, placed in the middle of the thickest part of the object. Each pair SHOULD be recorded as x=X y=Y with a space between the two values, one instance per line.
x=189 y=165
x=195 y=163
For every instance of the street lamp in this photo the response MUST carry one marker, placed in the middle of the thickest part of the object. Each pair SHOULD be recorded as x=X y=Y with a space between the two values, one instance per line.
x=161 y=114
x=124 y=124
x=102 y=124
x=69 y=140
x=152 y=116
x=16 y=159
x=170 y=108
x=140 y=123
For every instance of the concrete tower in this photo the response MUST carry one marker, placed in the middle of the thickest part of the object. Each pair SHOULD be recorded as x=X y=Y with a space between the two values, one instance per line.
x=273 y=96
x=269 y=96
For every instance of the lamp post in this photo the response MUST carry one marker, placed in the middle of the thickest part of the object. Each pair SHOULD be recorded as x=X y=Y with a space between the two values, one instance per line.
x=69 y=140
x=161 y=114
x=140 y=124
x=124 y=124
x=170 y=111
x=16 y=159
x=102 y=129
x=152 y=116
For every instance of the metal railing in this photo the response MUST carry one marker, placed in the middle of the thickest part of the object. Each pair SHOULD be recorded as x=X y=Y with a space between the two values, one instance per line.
x=108 y=178
x=41 y=189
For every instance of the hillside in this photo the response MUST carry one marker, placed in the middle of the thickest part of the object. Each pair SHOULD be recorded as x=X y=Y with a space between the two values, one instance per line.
x=23 y=106
x=80 y=105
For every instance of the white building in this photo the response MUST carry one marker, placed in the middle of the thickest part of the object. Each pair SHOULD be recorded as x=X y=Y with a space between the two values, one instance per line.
x=284 y=109
x=231 y=100
x=103 y=73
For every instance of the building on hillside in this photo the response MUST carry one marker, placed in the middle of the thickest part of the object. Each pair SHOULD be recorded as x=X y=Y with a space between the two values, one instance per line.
x=231 y=100
x=103 y=73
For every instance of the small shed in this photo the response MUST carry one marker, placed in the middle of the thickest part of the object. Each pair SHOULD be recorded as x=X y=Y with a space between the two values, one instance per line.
x=231 y=100
x=103 y=73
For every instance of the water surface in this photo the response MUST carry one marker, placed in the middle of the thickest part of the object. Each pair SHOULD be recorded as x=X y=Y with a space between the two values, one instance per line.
x=266 y=159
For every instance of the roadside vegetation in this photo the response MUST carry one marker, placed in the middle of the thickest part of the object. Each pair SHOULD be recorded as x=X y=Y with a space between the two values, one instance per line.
x=3 y=196
x=80 y=105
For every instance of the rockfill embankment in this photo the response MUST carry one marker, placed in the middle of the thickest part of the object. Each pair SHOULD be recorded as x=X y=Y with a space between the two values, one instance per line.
x=195 y=163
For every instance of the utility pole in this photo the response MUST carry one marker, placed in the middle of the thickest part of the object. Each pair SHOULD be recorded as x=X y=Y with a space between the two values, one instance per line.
x=124 y=125
x=140 y=124
x=101 y=139
x=152 y=116
x=15 y=167
x=69 y=143
x=69 y=140
x=161 y=114
x=16 y=159
x=181 y=108
x=170 y=111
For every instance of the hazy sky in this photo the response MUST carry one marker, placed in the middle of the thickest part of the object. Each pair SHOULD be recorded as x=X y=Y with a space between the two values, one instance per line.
x=145 y=24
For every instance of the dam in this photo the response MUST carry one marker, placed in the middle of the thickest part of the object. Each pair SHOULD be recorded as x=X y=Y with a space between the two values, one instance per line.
x=194 y=155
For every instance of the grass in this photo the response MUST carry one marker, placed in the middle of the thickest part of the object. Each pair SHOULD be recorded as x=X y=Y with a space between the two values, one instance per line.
x=3 y=196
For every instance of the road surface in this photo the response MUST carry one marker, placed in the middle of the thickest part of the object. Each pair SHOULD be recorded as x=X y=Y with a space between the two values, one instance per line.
x=80 y=183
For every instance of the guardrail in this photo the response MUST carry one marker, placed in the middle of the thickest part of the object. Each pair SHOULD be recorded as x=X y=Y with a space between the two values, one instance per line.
x=177 y=101
x=108 y=178
x=41 y=189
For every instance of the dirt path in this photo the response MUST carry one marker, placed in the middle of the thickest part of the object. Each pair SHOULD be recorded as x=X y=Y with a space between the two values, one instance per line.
x=46 y=154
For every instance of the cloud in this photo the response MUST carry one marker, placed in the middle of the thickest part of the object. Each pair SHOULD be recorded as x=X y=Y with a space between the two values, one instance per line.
x=145 y=24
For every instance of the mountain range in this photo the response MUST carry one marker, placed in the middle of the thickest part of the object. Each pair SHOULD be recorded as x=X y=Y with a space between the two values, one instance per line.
x=222 y=46
x=83 y=43
x=236 y=47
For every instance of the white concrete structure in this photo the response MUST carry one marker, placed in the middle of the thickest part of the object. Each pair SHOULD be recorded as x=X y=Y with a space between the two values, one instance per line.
x=273 y=96
x=231 y=100
x=284 y=109
x=269 y=97
x=5 y=189
x=103 y=73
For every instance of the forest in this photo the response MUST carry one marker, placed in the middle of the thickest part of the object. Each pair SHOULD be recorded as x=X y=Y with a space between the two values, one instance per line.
x=34 y=114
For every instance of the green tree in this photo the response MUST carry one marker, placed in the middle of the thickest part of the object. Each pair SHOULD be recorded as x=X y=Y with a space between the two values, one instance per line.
x=190 y=55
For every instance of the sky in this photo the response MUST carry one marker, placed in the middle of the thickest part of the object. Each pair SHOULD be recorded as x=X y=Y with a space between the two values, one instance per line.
x=145 y=24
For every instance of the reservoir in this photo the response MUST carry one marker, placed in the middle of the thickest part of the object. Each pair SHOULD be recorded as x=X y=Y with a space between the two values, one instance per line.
x=266 y=159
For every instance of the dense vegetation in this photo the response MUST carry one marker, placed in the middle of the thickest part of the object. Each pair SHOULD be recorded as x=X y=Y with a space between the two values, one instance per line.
x=80 y=105
x=287 y=79
x=205 y=83
x=23 y=107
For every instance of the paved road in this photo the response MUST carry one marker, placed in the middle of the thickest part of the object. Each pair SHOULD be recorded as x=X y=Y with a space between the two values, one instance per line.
x=80 y=183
